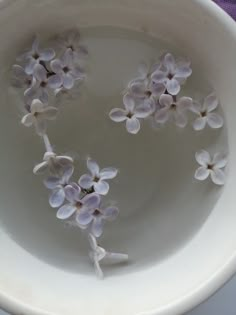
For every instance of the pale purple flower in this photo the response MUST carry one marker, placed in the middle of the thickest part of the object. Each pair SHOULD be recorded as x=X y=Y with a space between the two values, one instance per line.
x=131 y=114
x=76 y=204
x=97 y=178
x=44 y=81
x=71 y=39
x=172 y=74
x=39 y=114
x=53 y=163
x=206 y=113
x=95 y=219
x=67 y=69
x=98 y=254
x=21 y=79
x=36 y=55
x=173 y=110
x=57 y=185
x=144 y=88
x=211 y=167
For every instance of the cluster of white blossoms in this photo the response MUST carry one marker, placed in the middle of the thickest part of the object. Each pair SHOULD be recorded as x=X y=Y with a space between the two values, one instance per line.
x=156 y=94
x=42 y=75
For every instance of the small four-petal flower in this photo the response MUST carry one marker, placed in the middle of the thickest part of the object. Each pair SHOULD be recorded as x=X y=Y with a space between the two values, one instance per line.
x=211 y=167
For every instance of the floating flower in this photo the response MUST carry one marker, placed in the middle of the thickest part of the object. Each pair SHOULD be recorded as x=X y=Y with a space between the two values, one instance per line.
x=21 y=79
x=71 y=39
x=58 y=185
x=172 y=74
x=131 y=114
x=206 y=113
x=76 y=204
x=98 y=254
x=36 y=55
x=97 y=178
x=144 y=88
x=39 y=114
x=211 y=167
x=96 y=218
x=173 y=109
x=67 y=69
x=53 y=163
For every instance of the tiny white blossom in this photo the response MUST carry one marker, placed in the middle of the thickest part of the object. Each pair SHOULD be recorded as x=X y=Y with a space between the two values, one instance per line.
x=173 y=110
x=145 y=88
x=36 y=55
x=98 y=254
x=53 y=163
x=39 y=114
x=95 y=219
x=20 y=78
x=71 y=39
x=131 y=114
x=97 y=178
x=67 y=69
x=57 y=185
x=172 y=74
x=206 y=113
x=211 y=167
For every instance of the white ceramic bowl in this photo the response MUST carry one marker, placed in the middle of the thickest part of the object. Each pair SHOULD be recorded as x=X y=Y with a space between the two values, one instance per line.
x=180 y=257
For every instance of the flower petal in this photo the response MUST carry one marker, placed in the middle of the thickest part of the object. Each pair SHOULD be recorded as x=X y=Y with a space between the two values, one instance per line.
x=101 y=187
x=162 y=115
x=86 y=181
x=214 y=120
x=202 y=173
x=218 y=176
x=55 y=81
x=183 y=71
x=143 y=110
x=211 y=102
x=50 y=113
x=133 y=125
x=115 y=258
x=118 y=114
x=219 y=160
x=110 y=213
x=57 y=198
x=68 y=81
x=97 y=227
x=166 y=100
x=29 y=68
x=28 y=120
x=203 y=158
x=68 y=171
x=138 y=88
x=108 y=173
x=169 y=62
x=91 y=201
x=56 y=65
x=40 y=168
x=71 y=193
x=159 y=76
x=157 y=89
x=93 y=167
x=200 y=123
x=52 y=182
x=84 y=218
x=185 y=102
x=66 y=211
x=196 y=107
x=128 y=102
x=64 y=159
x=40 y=73
x=36 y=106
x=47 y=54
x=180 y=119
x=173 y=86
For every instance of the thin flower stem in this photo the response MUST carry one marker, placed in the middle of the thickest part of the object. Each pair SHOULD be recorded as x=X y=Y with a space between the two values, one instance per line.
x=47 y=143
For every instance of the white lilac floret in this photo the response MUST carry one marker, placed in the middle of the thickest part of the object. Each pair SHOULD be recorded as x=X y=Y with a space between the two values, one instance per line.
x=131 y=114
x=212 y=167
x=99 y=254
x=95 y=219
x=38 y=115
x=97 y=179
x=36 y=55
x=20 y=79
x=172 y=73
x=206 y=113
x=173 y=109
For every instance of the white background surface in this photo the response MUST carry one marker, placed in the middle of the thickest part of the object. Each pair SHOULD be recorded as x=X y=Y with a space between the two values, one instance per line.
x=222 y=303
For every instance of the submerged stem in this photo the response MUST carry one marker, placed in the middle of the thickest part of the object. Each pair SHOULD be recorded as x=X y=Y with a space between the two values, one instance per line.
x=47 y=143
